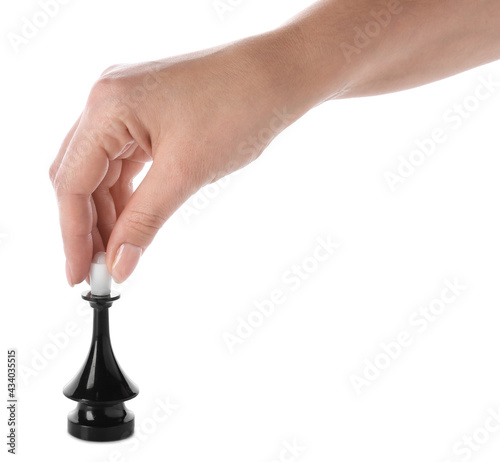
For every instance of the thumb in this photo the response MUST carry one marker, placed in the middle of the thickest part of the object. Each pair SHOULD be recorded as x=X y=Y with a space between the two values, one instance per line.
x=158 y=196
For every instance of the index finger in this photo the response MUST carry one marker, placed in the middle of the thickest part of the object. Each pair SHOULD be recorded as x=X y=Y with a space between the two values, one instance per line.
x=82 y=169
x=54 y=168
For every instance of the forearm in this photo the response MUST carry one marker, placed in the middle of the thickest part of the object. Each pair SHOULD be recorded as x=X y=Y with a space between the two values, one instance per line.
x=204 y=115
x=349 y=48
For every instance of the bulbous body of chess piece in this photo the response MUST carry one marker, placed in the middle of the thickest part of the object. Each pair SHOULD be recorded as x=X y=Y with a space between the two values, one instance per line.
x=101 y=387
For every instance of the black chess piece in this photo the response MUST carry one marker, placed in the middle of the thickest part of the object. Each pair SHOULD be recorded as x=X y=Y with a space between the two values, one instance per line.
x=101 y=387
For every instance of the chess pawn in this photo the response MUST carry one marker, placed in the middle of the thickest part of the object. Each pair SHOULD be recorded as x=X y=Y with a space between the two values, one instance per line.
x=101 y=387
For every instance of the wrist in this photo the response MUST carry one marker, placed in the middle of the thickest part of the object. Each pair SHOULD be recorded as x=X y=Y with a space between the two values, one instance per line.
x=296 y=66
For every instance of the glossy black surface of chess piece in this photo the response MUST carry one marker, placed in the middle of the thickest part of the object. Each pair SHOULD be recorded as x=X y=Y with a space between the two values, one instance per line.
x=101 y=387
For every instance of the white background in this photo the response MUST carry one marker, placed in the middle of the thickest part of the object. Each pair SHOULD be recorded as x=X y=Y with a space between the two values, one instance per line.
x=324 y=176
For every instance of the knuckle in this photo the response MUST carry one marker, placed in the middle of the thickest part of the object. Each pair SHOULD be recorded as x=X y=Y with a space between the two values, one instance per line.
x=52 y=173
x=109 y=96
x=110 y=69
x=107 y=87
x=100 y=91
x=146 y=224
x=61 y=185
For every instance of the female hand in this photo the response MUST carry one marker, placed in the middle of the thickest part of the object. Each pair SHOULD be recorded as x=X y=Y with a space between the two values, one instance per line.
x=196 y=117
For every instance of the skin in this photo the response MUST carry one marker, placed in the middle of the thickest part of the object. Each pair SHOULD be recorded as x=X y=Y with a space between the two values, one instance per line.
x=201 y=116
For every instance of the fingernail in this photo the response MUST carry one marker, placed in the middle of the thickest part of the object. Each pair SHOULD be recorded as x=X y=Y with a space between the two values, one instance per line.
x=68 y=275
x=126 y=260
